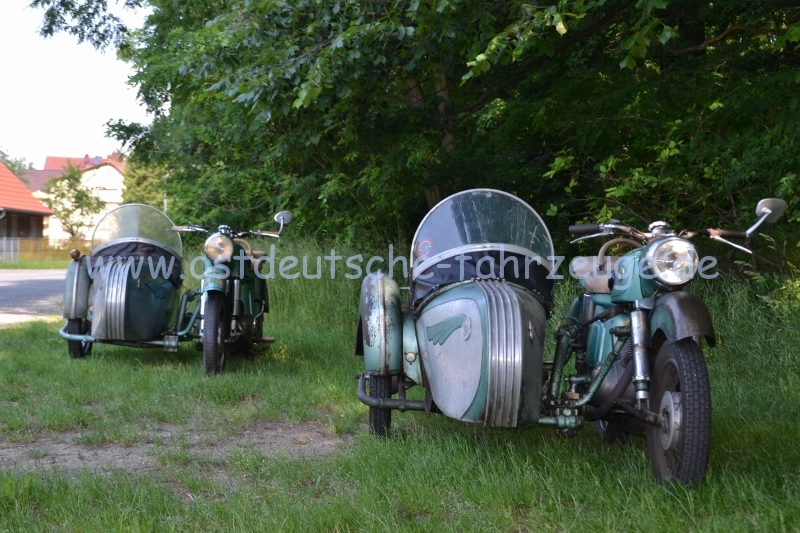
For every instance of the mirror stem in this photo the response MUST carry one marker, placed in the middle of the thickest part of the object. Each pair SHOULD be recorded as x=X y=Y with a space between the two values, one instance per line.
x=767 y=212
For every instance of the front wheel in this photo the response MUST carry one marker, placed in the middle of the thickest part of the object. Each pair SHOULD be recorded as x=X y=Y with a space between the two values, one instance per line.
x=680 y=393
x=215 y=333
x=78 y=326
x=380 y=420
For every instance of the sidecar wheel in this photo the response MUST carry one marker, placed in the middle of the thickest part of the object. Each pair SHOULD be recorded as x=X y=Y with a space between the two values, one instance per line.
x=78 y=326
x=215 y=332
x=680 y=394
x=380 y=420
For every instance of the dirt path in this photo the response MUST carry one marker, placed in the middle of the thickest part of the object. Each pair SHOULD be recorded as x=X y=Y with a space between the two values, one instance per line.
x=62 y=451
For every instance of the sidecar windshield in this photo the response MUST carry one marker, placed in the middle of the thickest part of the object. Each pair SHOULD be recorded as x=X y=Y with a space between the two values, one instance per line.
x=480 y=219
x=137 y=223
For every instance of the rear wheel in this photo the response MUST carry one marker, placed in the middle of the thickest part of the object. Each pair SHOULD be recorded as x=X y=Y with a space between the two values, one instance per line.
x=215 y=333
x=78 y=326
x=680 y=393
x=380 y=420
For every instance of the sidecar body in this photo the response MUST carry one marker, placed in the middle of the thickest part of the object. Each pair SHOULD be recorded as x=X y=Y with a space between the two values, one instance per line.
x=126 y=290
x=471 y=331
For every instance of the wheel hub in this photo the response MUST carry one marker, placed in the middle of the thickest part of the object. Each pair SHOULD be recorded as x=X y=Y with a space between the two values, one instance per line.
x=670 y=420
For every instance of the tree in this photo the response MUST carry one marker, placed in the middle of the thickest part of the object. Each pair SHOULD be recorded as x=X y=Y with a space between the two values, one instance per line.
x=144 y=184
x=72 y=203
x=16 y=166
x=361 y=115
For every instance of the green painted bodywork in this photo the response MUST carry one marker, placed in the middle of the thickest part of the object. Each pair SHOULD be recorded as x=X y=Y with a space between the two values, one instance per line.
x=412 y=369
x=631 y=286
x=439 y=333
x=472 y=292
x=686 y=315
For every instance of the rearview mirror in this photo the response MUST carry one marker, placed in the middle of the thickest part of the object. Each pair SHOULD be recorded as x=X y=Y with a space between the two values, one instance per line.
x=767 y=210
x=773 y=208
x=284 y=217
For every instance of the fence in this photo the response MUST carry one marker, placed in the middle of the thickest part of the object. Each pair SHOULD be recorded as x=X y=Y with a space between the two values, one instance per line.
x=18 y=250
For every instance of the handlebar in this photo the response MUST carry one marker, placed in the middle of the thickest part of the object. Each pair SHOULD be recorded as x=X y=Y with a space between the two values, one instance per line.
x=724 y=233
x=585 y=229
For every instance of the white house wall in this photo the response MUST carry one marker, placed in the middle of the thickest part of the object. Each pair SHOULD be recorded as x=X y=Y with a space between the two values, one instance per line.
x=108 y=184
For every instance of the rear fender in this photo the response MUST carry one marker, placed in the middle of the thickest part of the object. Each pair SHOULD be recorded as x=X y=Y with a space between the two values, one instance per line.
x=680 y=315
x=379 y=337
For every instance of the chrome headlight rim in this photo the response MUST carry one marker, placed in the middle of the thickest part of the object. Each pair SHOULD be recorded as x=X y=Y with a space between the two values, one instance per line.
x=661 y=257
x=219 y=247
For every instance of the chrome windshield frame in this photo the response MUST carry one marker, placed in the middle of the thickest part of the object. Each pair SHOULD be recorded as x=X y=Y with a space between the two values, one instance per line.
x=472 y=191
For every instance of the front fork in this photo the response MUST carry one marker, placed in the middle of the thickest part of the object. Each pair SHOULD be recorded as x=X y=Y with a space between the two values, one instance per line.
x=640 y=337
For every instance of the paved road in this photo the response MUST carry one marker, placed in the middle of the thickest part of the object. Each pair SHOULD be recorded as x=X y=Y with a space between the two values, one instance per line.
x=29 y=294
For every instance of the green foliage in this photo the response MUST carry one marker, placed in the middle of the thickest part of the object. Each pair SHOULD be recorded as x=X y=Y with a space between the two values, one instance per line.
x=71 y=201
x=359 y=116
x=144 y=184
x=16 y=166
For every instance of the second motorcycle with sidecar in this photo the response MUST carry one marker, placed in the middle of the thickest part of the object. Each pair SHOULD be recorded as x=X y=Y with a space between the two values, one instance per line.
x=127 y=290
x=471 y=332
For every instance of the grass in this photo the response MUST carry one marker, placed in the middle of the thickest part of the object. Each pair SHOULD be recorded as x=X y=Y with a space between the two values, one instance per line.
x=433 y=474
x=46 y=264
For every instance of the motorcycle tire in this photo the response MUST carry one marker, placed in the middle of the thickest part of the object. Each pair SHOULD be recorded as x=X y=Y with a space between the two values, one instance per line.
x=680 y=392
x=215 y=333
x=78 y=326
x=380 y=420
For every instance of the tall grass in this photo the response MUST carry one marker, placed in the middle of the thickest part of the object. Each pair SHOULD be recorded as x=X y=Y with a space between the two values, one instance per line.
x=432 y=474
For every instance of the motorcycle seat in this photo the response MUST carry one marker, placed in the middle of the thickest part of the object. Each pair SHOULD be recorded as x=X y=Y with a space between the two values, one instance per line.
x=593 y=275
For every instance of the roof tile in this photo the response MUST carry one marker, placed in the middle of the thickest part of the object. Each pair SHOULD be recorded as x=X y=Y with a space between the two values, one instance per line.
x=16 y=197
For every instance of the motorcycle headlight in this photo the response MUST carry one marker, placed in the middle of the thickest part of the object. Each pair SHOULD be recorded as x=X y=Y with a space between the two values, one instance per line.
x=219 y=246
x=672 y=261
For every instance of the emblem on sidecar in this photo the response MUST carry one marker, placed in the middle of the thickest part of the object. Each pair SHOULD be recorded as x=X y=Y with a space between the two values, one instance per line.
x=439 y=333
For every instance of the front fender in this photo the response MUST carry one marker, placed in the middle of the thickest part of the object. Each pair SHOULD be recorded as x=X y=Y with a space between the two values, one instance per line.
x=214 y=278
x=679 y=315
x=379 y=337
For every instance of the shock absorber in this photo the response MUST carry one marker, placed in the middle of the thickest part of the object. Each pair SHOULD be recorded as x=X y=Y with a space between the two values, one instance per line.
x=640 y=335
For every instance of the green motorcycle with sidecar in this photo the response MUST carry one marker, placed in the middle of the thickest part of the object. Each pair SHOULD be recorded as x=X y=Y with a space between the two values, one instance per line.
x=471 y=331
x=130 y=291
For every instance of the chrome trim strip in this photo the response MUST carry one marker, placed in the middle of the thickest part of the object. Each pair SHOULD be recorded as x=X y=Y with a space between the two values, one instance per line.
x=504 y=380
x=135 y=239
x=116 y=288
x=490 y=246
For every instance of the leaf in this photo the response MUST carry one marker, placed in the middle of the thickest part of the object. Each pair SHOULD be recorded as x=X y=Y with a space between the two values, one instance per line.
x=628 y=62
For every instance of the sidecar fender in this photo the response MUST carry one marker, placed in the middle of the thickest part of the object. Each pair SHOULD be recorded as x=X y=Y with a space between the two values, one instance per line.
x=76 y=289
x=379 y=337
x=680 y=315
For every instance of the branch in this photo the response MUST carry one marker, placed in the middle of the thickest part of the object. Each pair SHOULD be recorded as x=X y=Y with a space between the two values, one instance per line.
x=543 y=60
x=733 y=29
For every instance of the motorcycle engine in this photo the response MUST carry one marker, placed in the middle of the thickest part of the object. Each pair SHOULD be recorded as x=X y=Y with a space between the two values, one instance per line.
x=615 y=373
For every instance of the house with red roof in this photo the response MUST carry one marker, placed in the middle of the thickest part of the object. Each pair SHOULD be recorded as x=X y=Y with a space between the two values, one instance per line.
x=104 y=176
x=22 y=214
